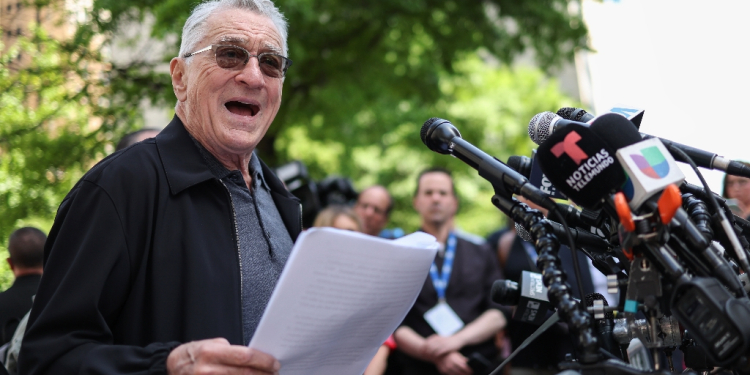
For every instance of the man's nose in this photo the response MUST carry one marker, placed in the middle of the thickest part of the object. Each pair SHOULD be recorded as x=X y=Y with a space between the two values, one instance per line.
x=251 y=74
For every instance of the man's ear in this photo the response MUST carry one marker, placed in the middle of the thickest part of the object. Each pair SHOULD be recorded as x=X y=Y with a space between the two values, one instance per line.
x=10 y=263
x=177 y=69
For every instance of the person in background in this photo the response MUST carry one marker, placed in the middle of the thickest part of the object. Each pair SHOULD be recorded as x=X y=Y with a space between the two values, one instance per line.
x=738 y=189
x=343 y=217
x=374 y=205
x=26 y=248
x=452 y=325
x=338 y=216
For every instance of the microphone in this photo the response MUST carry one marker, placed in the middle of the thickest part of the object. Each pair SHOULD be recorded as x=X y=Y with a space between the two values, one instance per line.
x=578 y=114
x=580 y=237
x=520 y=164
x=575 y=114
x=542 y=125
x=580 y=164
x=705 y=159
x=442 y=137
x=529 y=296
x=701 y=158
x=527 y=168
x=585 y=219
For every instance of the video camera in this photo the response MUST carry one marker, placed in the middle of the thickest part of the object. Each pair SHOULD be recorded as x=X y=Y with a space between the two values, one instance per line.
x=315 y=195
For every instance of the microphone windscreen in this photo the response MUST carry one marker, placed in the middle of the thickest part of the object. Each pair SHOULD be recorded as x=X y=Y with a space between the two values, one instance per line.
x=540 y=126
x=520 y=164
x=580 y=164
x=505 y=292
x=437 y=134
x=575 y=114
x=566 y=112
x=616 y=130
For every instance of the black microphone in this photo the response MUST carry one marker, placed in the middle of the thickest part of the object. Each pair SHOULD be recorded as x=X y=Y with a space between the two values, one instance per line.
x=442 y=137
x=529 y=296
x=580 y=237
x=575 y=114
x=701 y=158
x=527 y=168
x=580 y=164
x=520 y=164
x=705 y=159
x=542 y=125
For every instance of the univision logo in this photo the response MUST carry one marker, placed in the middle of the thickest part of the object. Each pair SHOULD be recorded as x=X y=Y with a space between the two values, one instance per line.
x=651 y=162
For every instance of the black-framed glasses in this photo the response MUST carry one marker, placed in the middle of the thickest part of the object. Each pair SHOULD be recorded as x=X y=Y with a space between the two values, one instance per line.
x=231 y=57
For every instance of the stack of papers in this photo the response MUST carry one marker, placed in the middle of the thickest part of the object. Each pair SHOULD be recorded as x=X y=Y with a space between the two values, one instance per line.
x=340 y=296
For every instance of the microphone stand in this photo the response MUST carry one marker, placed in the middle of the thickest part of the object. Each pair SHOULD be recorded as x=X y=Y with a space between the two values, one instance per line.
x=554 y=277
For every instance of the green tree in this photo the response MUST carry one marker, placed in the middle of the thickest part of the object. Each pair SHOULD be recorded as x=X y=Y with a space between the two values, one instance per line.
x=55 y=122
x=358 y=57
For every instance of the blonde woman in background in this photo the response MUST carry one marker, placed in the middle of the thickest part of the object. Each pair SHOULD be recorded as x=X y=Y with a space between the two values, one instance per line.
x=338 y=216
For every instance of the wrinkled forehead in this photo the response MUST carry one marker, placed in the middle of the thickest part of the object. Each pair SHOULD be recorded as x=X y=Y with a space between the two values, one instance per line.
x=244 y=28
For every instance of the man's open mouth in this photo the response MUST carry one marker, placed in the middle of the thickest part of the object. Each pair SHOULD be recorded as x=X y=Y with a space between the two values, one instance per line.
x=242 y=109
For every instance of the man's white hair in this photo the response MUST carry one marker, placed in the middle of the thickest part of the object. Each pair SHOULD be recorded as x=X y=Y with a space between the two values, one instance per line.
x=194 y=29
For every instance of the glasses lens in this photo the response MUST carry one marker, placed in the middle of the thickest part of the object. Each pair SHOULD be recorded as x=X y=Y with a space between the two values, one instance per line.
x=272 y=65
x=230 y=57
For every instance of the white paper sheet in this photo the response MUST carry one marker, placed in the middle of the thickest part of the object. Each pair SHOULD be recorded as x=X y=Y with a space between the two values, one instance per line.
x=340 y=296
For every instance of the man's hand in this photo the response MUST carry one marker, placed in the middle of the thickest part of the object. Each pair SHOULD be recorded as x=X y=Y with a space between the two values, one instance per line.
x=436 y=346
x=217 y=356
x=453 y=363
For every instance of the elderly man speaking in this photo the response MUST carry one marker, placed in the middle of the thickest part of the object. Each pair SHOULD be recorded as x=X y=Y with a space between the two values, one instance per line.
x=164 y=255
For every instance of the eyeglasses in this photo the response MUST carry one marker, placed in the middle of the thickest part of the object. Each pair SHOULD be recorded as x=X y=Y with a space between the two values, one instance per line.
x=232 y=57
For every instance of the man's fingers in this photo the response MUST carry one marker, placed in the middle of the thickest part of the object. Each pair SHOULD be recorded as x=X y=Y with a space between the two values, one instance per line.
x=242 y=356
x=208 y=356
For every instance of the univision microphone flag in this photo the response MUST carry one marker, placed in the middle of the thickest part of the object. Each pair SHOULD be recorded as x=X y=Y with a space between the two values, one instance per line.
x=650 y=167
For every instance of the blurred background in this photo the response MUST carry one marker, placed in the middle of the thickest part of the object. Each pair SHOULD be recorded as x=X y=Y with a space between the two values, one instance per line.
x=76 y=75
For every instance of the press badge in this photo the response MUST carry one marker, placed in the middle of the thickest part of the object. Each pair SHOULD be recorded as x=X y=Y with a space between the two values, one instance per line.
x=443 y=319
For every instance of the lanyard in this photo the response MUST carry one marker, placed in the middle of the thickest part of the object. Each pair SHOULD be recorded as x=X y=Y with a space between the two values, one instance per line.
x=440 y=281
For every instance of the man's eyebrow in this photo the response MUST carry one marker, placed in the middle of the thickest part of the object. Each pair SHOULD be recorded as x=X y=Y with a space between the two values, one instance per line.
x=273 y=48
x=233 y=39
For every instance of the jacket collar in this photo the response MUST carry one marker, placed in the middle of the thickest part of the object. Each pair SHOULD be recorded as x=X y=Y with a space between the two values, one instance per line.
x=184 y=167
x=183 y=164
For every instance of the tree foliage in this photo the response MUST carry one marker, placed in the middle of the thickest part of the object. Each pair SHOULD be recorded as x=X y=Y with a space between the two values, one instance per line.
x=55 y=122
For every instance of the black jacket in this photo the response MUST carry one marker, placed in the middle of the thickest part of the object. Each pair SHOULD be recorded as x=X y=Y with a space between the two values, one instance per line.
x=141 y=258
x=15 y=303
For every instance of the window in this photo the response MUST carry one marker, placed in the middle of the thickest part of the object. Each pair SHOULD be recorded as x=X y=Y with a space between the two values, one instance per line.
x=18 y=31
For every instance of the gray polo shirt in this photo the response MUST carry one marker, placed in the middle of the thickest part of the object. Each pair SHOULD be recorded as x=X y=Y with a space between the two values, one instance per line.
x=264 y=243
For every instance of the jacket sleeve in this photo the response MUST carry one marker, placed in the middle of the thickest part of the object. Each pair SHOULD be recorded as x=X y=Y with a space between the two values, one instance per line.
x=86 y=281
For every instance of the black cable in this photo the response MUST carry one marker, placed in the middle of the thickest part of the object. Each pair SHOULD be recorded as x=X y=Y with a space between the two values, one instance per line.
x=572 y=245
x=741 y=253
